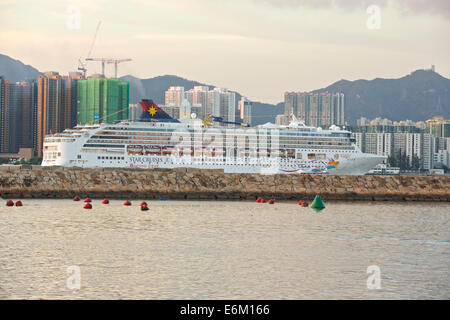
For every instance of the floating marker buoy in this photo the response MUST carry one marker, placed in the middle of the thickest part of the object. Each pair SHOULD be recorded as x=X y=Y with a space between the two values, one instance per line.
x=271 y=201
x=258 y=200
x=9 y=203
x=144 y=208
x=303 y=203
x=127 y=203
x=87 y=200
x=18 y=203
x=105 y=201
x=318 y=203
x=263 y=200
x=87 y=206
x=76 y=198
x=143 y=203
x=162 y=199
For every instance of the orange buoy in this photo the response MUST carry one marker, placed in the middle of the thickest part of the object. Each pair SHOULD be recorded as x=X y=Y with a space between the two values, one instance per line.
x=127 y=203
x=271 y=201
x=87 y=206
x=87 y=199
x=143 y=203
x=144 y=208
x=300 y=203
x=76 y=198
x=9 y=203
x=18 y=203
x=105 y=201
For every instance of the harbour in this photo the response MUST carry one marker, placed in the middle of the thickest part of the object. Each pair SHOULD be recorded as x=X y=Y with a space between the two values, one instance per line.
x=224 y=250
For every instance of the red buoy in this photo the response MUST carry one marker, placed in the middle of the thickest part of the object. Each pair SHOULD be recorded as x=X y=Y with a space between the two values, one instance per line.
x=76 y=198
x=263 y=200
x=18 y=203
x=144 y=208
x=305 y=204
x=9 y=203
x=143 y=203
x=300 y=203
x=271 y=201
x=87 y=200
x=127 y=203
x=258 y=200
x=105 y=201
x=87 y=206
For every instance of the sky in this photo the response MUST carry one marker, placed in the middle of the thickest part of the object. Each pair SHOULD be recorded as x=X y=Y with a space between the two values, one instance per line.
x=259 y=48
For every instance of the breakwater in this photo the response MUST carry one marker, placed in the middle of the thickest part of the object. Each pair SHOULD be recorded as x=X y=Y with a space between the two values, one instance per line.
x=186 y=183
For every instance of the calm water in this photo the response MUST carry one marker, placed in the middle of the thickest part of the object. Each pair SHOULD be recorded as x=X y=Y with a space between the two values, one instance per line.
x=224 y=250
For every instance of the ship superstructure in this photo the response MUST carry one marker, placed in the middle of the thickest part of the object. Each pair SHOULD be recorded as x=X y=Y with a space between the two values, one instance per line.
x=158 y=141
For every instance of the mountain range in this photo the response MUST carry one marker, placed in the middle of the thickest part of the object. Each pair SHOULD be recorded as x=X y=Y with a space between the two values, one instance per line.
x=418 y=96
x=15 y=70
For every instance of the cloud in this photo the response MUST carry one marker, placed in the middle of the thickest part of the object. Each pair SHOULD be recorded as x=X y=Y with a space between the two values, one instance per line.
x=406 y=6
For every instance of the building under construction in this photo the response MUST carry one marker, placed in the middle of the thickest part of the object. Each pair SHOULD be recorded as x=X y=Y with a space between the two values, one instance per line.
x=102 y=100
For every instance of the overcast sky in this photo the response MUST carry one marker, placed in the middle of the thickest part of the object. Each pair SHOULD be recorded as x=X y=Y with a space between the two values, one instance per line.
x=260 y=48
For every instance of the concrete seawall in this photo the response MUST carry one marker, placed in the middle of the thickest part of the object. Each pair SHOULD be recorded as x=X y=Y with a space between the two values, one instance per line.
x=182 y=183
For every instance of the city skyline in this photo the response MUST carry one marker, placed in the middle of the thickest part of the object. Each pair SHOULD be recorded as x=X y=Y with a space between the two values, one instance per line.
x=271 y=47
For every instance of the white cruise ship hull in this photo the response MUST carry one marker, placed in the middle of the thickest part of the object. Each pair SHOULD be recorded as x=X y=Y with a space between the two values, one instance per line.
x=68 y=155
x=168 y=143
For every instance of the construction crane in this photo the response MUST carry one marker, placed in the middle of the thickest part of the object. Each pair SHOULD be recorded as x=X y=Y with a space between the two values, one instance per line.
x=81 y=64
x=116 y=62
x=109 y=60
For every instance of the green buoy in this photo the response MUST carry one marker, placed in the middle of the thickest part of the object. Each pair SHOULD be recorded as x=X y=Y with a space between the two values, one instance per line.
x=318 y=203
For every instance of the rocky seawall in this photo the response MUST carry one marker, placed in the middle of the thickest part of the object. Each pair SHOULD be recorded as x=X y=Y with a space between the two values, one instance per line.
x=184 y=183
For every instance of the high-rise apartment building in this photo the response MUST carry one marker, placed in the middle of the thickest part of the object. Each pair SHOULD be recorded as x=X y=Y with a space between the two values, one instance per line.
x=227 y=105
x=442 y=158
x=379 y=125
x=419 y=146
x=198 y=96
x=174 y=96
x=4 y=115
x=245 y=110
x=218 y=102
x=70 y=85
x=102 y=100
x=134 y=112
x=50 y=107
x=315 y=109
x=282 y=119
x=17 y=113
x=428 y=149
x=438 y=127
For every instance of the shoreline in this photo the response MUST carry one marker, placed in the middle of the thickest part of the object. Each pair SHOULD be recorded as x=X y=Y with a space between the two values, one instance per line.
x=27 y=182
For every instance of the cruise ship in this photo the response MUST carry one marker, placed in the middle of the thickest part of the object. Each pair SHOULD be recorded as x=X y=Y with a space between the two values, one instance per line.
x=158 y=141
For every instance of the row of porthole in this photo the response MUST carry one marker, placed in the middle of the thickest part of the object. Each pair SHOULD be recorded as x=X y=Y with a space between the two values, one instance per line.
x=110 y=158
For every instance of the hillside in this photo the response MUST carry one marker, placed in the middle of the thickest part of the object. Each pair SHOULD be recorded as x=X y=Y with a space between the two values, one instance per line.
x=15 y=70
x=417 y=96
